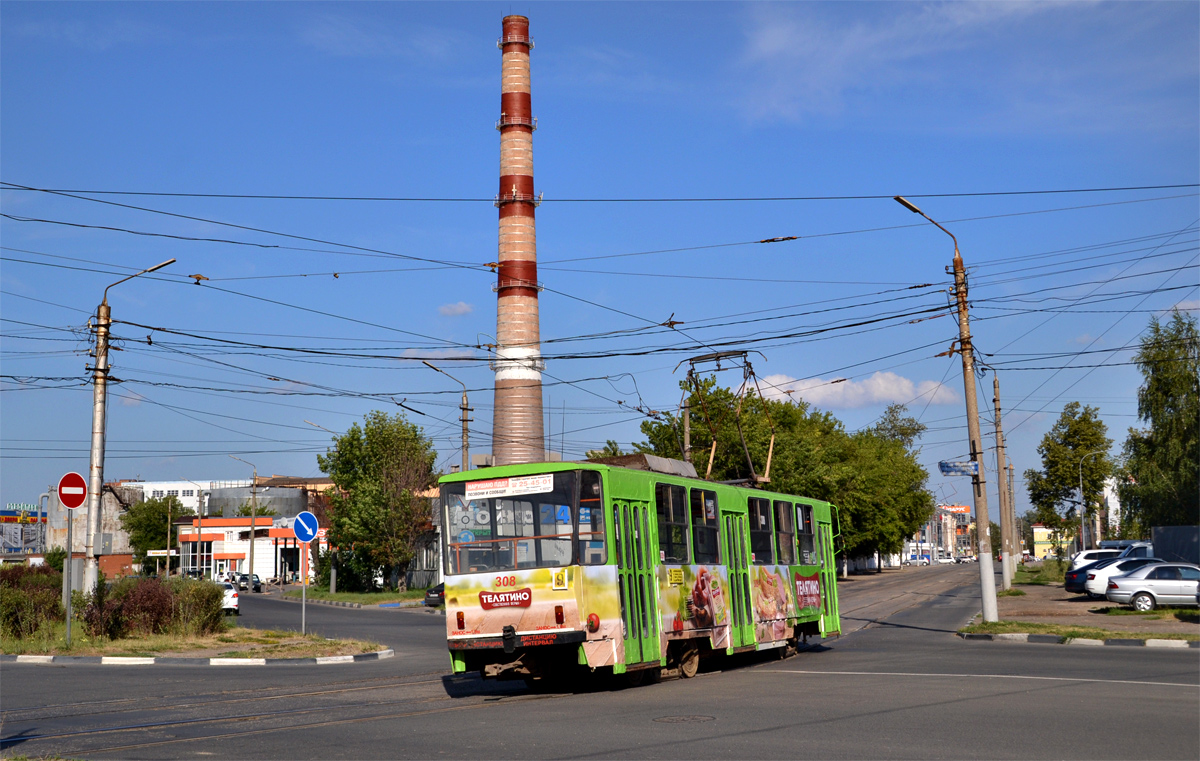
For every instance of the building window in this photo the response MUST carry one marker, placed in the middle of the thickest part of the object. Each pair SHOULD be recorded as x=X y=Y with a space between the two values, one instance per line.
x=172 y=492
x=189 y=492
x=156 y=493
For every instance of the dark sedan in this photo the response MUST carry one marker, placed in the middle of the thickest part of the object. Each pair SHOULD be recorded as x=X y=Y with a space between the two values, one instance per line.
x=436 y=596
x=1075 y=581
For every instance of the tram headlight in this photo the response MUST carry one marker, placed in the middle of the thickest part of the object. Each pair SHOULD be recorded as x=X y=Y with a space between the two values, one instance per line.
x=593 y=622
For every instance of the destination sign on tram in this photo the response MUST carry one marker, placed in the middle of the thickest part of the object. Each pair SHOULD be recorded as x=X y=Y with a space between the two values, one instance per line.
x=507 y=487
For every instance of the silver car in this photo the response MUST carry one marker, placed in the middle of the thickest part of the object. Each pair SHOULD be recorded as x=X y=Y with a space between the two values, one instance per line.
x=1157 y=584
x=1099 y=574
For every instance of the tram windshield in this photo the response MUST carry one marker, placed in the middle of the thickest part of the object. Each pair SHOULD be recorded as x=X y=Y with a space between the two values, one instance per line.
x=519 y=522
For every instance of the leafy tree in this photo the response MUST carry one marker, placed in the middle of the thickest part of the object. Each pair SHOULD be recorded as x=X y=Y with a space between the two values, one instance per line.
x=1065 y=448
x=380 y=470
x=146 y=522
x=246 y=509
x=611 y=449
x=1161 y=484
x=56 y=557
x=872 y=476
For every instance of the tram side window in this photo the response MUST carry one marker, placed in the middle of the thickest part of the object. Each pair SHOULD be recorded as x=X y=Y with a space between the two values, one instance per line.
x=761 y=551
x=704 y=526
x=784 y=533
x=554 y=532
x=514 y=518
x=804 y=534
x=591 y=519
x=672 y=523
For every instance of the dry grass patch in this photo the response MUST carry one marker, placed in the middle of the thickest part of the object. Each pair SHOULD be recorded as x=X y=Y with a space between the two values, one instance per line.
x=234 y=642
x=1068 y=631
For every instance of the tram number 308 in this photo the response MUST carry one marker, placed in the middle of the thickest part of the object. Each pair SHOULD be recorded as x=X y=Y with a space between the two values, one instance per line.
x=505 y=581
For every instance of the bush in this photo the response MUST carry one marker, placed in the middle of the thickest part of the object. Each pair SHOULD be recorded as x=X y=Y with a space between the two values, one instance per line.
x=30 y=597
x=196 y=606
x=147 y=607
x=103 y=617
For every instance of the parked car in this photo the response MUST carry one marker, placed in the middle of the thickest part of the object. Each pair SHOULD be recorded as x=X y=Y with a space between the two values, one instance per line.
x=230 y=604
x=1091 y=556
x=1138 y=550
x=249 y=583
x=1097 y=576
x=1074 y=581
x=1156 y=584
x=435 y=596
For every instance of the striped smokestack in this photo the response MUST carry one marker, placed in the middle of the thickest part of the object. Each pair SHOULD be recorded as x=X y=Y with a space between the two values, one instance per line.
x=517 y=420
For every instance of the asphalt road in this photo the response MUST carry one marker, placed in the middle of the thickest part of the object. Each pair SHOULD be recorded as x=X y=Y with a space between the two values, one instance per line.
x=900 y=685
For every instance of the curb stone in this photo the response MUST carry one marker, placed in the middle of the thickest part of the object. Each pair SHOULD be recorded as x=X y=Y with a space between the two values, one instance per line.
x=116 y=660
x=1054 y=639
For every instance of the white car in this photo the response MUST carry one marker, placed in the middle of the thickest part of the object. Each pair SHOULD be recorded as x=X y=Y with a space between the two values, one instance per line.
x=946 y=561
x=1097 y=578
x=1091 y=556
x=230 y=604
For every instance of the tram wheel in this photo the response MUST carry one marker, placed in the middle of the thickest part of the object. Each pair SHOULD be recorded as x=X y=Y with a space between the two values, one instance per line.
x=689 y=663
x=635 y=678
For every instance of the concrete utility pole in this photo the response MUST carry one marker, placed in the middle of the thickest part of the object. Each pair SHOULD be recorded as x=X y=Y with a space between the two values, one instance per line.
x=91 y=567
x=1006 y=519
x=253 y=515
x=987 y=579
x=1083 y=505
x=466 y=442
x=687 y=430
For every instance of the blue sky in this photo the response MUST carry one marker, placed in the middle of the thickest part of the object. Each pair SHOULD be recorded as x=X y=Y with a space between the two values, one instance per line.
x=634 y=101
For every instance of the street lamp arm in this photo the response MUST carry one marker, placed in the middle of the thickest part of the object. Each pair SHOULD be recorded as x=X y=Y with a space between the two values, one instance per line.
x=131 y=277
x=906 y=204
x=448 y=375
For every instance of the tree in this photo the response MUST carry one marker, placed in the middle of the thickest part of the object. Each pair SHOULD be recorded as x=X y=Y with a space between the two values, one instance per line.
x=380 y=470
x=246 y=509
x=872 y=476
x=146 y=522
x=1161 y=475
x=611 y=449
x=1079 y=439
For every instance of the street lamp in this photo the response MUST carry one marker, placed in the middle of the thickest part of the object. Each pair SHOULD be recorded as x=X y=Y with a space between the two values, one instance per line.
x=987 y=579
x=1082 y=501
x=253 y=515
x=91 y=568
x=466 y=454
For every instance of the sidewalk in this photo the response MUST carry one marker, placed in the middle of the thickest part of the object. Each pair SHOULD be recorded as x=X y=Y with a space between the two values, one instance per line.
x=1052 y=605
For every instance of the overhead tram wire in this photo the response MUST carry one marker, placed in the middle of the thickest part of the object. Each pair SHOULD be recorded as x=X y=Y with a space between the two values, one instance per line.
x=887 y=196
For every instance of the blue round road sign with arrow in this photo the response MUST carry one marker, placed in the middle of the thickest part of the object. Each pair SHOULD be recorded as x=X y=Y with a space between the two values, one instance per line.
x=305 y=526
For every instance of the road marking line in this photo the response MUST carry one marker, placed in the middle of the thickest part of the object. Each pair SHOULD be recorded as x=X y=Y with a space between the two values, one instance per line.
x=978 y=676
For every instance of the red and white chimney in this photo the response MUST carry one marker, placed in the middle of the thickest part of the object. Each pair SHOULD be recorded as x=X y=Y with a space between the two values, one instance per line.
x=517 y=435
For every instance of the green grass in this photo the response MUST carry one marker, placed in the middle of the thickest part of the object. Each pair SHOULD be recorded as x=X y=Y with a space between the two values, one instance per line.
x=1187 y=615
x=1070 y=632
x=1042 y=574
x=364 y=598
x=1011 y=593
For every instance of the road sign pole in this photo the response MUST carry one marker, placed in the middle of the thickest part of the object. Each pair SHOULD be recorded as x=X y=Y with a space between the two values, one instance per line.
x=67 y=572
x=304 y=590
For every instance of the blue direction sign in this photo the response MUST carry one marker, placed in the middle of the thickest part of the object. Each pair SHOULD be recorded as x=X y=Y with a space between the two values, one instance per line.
x=964 y=468
x=305 y=526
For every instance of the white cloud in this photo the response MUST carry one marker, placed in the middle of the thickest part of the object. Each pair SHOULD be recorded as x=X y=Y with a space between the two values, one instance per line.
x=1188 y=305
x=988 y=65
x=92 y=35
x=456 y=309
x=1086 y=338
x=880 y=388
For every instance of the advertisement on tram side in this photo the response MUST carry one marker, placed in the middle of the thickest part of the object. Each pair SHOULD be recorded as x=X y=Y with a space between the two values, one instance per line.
x=808 y=593
x=773 y=602
x=693 y=602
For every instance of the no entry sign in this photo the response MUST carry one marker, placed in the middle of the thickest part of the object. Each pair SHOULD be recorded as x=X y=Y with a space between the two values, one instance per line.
x=72 y=490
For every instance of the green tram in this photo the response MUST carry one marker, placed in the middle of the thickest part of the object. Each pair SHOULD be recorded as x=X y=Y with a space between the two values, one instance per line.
x=554 y=568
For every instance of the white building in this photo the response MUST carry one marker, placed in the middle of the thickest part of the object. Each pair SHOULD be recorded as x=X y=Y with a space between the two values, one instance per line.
x=187 y=492
x=225 y=547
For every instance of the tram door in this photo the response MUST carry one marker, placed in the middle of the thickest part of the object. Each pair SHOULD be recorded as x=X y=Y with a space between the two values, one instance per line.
x=638 y=587
x=736 y=532
x=830 y=621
